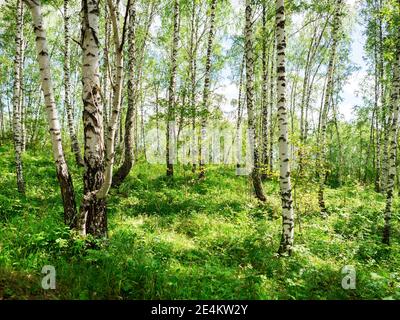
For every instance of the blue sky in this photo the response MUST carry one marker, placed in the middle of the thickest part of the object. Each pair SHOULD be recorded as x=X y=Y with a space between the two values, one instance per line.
x=349 y=94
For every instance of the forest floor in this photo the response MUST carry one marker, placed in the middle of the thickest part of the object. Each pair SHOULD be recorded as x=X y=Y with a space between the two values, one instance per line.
x=185 y=239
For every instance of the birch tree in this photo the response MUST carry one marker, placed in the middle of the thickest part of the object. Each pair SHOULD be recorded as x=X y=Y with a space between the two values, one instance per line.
x=63 y=175
x=99 y=158
x=249 y=56
x=170 y=130
x=394 y=131
x=126 y=166
x=206 y=92
x=264 y=91
x=17 y=98
x=193 y=50
x=67 y=86
x=285 y=185
x=327 y=101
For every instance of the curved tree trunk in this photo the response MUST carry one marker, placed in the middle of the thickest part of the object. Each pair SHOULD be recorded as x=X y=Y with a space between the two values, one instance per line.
x=64 y=178
x=67 y=88
x=135 y=66
x=206 y=93
x=285 y=185
x=126 y=166
x=255 y=175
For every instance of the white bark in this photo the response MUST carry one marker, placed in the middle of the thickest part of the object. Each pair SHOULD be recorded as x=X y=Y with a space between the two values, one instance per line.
x=170 y=130
x=113 y=123
x=327 y=102
x=285 y=185
x=93 y=211
x=394 y=130
x=206 y=91
x=17 y=99
x=63 y=175
x=67 y=87
x=249 y=58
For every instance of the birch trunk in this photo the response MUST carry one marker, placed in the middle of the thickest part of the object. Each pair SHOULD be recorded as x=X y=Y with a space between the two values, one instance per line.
x=17 y=98
x=255 y=175
x=206 y=92
x=193 y=74
x=126 y=166
x=285 y=185
x=239 y=117
x=67 y=87
x=264 y=93
x=170 y=130
x=388 y=120
x=22 y=90
x=394 y=129
x=378 y=178
x=325 y=109
x=271 y=106
x=96 y=222
x=117 y=97
x=64 y=178
x=93 y=210
x=106 y=71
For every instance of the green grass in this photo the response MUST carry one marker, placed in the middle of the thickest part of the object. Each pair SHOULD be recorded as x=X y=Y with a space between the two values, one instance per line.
x=185 y=239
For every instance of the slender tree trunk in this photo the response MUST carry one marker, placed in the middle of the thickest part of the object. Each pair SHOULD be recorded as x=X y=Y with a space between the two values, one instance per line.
x=239 y=116
x=2 y=127
x=325 y=109
x=394 y=129
x=206 y=92
x=126 y=166
x=117 y=98
x=258 y=188
x=271 y=108
x=385 y=162
x=170 y=132
x=142 y=126
x=157 y=120
x=378 y=79
x=22 y=91
x=64 y=178
x=264 y=94
x=106 y=71
x=292 y=108
x=379 y=180
x=193 y=74
x=339 y=140
x=302 y=106
x=285 y=185
x=67 y=87
x=17 y=97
